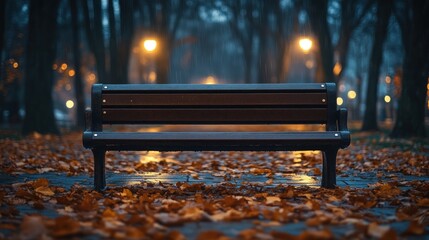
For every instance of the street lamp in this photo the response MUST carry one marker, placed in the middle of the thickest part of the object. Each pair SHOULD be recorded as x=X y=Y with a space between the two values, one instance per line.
x=305 y=44
x=149 y=45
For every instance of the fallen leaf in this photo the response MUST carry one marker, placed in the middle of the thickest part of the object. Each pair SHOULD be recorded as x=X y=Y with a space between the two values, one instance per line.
x=415 y=228
x=45 y=191
x=65 y=226
x=32 y=227
x=211 y=235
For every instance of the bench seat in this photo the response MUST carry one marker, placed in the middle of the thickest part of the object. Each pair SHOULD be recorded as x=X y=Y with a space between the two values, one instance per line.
x=215 y=141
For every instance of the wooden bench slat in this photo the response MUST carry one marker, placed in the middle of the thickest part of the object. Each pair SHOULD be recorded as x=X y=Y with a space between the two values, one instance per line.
x=277 y=87
x=197 y=141
x=214 y=115
x=215 y=99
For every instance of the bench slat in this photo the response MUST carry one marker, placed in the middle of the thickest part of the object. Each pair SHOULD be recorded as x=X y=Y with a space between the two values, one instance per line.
x=277 y=87
x=215 y=99
x=196 y=141
x=214 y=115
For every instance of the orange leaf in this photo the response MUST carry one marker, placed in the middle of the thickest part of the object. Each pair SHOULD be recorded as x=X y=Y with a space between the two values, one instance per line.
x=45 y=191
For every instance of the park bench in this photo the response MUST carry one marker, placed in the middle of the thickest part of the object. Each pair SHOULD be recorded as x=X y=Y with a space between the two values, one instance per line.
x=291 y=103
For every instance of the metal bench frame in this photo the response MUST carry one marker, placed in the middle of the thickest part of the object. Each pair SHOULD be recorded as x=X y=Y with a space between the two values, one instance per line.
x=306 y=103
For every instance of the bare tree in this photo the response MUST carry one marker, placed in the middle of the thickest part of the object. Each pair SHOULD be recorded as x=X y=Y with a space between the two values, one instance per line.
x=352 y=15
x=78 y=84
x=242 y=12
x=384 y=10
x=413 y=17
x=165 y=17
x=318 y=16
x=2 y=35
x=94 y=33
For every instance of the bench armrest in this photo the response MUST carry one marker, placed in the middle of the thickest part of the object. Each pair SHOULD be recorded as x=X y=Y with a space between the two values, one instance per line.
x=88 y=119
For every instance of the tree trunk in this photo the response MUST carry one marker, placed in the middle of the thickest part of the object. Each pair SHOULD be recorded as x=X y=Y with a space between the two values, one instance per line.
x=41 y=50
x=78 y=85
x=94 y=33
x=113 y=45
x=384 y=9
x=2 y=34
x=263 y=64
x=410 y=120
x=318 y=13
x=163 y=59
x=127 y=34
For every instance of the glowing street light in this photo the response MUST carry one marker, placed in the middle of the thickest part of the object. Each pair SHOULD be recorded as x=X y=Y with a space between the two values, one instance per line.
x=305 y=44
x=149 y=45
x=69 y=104
x=387 y=99
x=351 y=94
x=340 y=101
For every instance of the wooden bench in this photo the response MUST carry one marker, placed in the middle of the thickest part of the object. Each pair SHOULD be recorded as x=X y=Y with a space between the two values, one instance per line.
x=309 y=103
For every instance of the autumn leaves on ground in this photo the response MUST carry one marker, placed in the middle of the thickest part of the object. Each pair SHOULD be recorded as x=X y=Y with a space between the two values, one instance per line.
x=387 y=208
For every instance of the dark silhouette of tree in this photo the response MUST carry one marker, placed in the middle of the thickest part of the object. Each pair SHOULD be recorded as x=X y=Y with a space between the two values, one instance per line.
x=2 y=36
x=94 y=33
x=113 y=43
x=413 y=17
x=318 y=16
x=165 y=17
x=127 y=8
x=78 y=84
x=384 y=10
x=352 y=14
x=242 y=12
x=41 y=49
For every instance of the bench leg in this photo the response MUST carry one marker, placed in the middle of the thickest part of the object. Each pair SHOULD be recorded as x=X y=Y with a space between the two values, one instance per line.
x=329 y=166
x=99 y=169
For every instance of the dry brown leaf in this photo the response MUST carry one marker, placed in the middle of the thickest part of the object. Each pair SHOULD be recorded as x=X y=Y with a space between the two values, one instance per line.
x=211 y=235
x=88 y=203
x=316 y=234
x=424 y=202
x=32 y=227
x=41 y=182
x=272 y=199
x=376 y=230
x=45 y=191
x=415 y=228
x=65 y=226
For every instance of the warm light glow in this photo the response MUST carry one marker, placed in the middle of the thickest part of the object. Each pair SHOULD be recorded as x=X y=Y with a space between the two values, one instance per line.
x=72 y=73
x=210 y=80
x=340 y=101
x=15 y=65
x=152 y=77
x=54 y=66
x=351 y=94
x=305 y=44
x=149 y=45
x=337 y=69
x=63 y=66
x=69 y=104
x=91 y=78
x=388 y=79
x=309 y=64
x=387 y=99
x=427 y=86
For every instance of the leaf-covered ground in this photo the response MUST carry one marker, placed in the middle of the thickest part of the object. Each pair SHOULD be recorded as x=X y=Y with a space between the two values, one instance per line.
x=383 y=193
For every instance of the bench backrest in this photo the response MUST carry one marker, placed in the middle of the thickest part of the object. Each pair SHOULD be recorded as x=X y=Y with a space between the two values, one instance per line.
x=214 y=104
